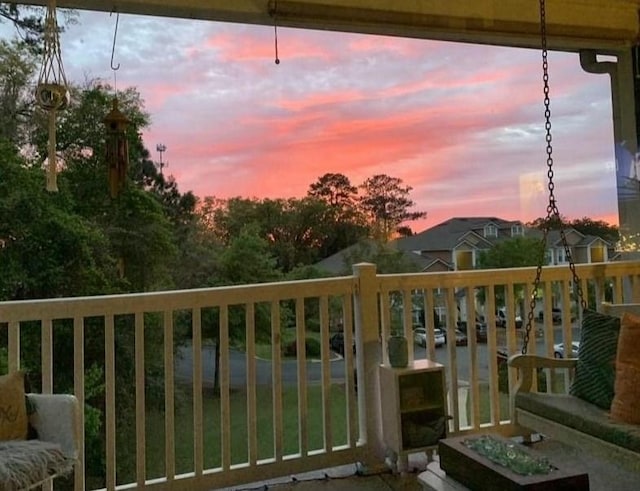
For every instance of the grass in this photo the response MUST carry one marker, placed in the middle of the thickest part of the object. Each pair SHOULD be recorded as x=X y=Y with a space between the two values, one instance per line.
x=485 y=404
x=212 y=437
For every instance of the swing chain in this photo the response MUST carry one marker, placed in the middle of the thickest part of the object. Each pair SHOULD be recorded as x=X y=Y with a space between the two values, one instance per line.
x=552 y=208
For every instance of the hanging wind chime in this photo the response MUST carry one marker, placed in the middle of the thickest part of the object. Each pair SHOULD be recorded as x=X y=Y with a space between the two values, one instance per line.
x=117 y=147
x=52 y=93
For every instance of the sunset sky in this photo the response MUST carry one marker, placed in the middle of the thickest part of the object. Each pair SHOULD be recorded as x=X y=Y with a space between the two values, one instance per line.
x=461 y=124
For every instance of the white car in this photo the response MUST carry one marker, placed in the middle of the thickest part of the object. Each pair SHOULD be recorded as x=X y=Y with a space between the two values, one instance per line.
x=420 y=337
x=558 y=349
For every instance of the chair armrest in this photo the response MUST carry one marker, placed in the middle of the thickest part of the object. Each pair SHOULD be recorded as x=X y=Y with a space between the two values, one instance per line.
x=56 y=419
x=527 y=365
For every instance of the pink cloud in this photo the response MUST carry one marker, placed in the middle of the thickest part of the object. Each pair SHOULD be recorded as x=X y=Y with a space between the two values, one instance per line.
x=251 y=47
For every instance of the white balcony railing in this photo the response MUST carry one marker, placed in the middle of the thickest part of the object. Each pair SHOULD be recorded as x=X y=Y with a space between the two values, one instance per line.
x=273 y=415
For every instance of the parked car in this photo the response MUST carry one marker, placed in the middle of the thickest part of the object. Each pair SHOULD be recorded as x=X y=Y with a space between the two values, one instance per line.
x=481 y=332
x=558 y=349
x=556 y=315
x=461 y=338
x=336 y=342
x=420 y=337
x=501 y=319
x=481 y=329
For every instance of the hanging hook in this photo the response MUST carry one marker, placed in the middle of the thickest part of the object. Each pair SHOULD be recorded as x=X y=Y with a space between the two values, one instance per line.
x=113 y=48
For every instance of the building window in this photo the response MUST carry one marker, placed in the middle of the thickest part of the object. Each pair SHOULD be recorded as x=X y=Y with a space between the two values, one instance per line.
x=560 y=255
x=516 y=230
x=490 y=230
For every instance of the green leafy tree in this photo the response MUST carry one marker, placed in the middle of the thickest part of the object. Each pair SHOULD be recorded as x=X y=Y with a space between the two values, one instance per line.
x=584 y=225
x=511 y=253
x=386 y=203
x=335 y=190
x=344 y=223
x=17 y=68
x=246 y=260
x=598 y=228
x=555 y=223
x=386 y=259
x=28 y=22
x=46 y=250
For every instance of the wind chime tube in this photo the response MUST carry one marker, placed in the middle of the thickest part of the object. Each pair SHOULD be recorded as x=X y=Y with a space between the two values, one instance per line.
x=52 y=180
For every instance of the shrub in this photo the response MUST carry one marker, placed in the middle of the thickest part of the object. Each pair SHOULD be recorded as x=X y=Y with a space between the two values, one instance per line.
x=312 y=348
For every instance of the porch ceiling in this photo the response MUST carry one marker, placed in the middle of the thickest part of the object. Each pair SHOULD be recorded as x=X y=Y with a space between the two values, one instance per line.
x=572 y=24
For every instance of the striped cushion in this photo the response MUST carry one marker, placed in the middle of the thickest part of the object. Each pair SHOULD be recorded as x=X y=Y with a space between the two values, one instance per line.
x=595 y=372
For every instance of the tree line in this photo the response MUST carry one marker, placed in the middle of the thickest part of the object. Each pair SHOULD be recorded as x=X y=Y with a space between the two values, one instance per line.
x=80 y=241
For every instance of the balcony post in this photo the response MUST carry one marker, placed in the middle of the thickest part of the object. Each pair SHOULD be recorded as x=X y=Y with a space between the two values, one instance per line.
x=367 y=362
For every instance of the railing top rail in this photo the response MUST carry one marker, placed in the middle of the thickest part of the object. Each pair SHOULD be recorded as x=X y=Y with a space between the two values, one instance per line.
x=174 y=300
x=479 y=277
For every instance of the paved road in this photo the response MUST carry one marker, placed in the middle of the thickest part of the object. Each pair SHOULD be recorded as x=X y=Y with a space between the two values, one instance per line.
x=237 y=361
x=238 y=368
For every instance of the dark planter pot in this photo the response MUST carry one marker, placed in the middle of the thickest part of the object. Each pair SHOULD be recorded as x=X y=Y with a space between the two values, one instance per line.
x=398 y=350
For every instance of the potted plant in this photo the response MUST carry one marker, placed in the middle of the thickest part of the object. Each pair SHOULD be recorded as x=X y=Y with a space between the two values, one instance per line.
x=398 y=349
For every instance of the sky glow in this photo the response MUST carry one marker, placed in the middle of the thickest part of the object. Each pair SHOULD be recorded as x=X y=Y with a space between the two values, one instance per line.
x=461 y=124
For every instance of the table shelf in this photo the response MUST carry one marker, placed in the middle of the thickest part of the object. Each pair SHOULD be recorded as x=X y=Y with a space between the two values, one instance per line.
x=413 y=406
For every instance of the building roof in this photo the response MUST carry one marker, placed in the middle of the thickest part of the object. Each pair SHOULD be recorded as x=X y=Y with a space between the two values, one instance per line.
x=337 y=263
x=446 y=235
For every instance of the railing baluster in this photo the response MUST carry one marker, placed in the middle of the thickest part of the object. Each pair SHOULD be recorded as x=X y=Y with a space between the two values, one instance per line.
x=169 y=398
x=303 y=432
x=252 y=413
x=385 y=323
x=198 y=427
x=453 y=367
x=47 y=355
x=14 y=346
x=276 y=380
x=78 y=389
x=473 y=390
x=225 y=408
x=512 y=348
x=327 y=429
x=429 y=323
x=141 y=471
x=110 y=401
x=350 y=374
x=407 y=320
x=492 y=351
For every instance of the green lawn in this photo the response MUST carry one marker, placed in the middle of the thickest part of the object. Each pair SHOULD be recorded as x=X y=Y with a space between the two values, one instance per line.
x=485 y=404
x=155 y=434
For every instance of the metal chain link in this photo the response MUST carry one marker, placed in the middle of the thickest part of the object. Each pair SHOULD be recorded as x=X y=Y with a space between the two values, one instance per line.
x=552 y=208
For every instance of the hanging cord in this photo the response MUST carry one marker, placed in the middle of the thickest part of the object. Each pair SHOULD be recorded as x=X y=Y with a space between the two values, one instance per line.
x=552 y=208
x=273 y=11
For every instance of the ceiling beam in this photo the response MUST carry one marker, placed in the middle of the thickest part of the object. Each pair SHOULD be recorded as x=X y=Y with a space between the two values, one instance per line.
x=571 y=24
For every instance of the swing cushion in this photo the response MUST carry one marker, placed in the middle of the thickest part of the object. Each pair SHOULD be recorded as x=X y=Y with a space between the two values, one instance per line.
x=626 y=401
x=13 y=407
x=595 y=370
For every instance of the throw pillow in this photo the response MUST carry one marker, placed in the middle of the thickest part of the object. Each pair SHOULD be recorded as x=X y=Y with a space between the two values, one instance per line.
x=626 y=400
x=13 y=407
x=595 y=371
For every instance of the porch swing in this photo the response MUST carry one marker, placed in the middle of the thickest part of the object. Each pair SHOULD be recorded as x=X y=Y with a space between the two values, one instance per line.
x=598 y=411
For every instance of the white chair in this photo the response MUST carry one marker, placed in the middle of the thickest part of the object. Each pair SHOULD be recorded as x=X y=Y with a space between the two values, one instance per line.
x=26 y=464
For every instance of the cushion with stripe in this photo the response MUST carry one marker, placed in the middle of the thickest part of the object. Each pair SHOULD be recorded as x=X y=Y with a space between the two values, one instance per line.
x=595 y=371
